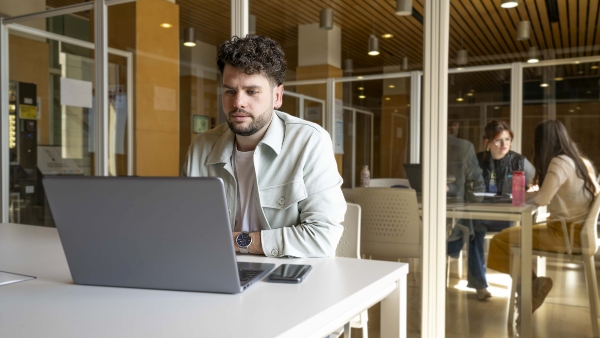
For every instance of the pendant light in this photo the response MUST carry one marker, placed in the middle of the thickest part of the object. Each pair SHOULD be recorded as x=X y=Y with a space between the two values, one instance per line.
x=523 y=30
x=326 y=21
x=405 y=66
x=462 y=56
x=509 y=3
x=361 y=94
x=460 y=97
x=533 y=55
x=373 y=45
x=251 y=24
x=545 y=81
x=559 y=74
x=348 y=66
x=403 y=7
x=189 y=37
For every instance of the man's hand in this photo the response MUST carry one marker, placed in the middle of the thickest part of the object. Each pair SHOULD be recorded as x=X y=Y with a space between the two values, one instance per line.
x=256 y=245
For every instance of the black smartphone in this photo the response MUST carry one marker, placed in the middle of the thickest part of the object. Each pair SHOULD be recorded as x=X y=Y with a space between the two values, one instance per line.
x=289 y=273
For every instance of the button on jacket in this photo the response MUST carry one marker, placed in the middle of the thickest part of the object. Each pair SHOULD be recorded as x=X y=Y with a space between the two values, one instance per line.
x=300 y=201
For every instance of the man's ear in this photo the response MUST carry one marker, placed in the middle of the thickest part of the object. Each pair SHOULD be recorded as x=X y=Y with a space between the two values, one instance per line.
x=277 y=96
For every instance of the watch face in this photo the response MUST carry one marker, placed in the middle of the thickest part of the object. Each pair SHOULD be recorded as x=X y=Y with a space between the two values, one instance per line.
x=243 y=239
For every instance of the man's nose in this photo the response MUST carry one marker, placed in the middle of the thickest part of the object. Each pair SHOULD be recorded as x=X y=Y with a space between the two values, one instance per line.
x=239 y=101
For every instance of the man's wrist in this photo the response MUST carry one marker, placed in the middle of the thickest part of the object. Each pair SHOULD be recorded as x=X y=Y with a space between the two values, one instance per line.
x=255 y=246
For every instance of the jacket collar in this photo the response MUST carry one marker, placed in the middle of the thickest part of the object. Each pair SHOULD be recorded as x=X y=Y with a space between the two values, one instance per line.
x=223 y=149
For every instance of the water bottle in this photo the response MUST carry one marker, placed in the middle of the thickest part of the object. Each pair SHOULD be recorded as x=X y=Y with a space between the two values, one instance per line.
x=365 y=176
x=518 y=188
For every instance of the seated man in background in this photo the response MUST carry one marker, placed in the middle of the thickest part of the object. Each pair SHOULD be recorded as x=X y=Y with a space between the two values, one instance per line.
x=468 y=181
x=282 y=184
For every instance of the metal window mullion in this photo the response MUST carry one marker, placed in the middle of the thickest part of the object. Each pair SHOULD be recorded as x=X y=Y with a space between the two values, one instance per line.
x=4 y=128
x=101 y=88
x=516 y=105
x=353 y=148
x=415 y=117
x=435 y=131
x=130 y=118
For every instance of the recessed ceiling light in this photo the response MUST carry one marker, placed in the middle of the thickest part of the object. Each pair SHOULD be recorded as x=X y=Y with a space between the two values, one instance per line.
x=459 y=99
x=387 y=99
x=594 y=67
x=496 y=107
x=470 y=94
x=359 y=77
x=166 y=25
x=387 y=36
x=361 y=88
x=391 y=86
x=571 y=111
x=361 y=96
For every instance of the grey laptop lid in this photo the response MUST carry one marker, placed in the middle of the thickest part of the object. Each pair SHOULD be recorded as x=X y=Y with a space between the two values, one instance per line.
x=146 y=232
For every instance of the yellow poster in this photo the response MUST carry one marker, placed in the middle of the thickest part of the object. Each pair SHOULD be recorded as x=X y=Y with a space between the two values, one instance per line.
x=28 y=112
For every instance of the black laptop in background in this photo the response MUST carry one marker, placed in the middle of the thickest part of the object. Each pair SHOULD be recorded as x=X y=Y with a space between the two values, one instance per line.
x=169 y=233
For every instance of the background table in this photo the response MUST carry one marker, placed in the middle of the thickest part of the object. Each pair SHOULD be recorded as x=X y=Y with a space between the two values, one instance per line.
x=507 y=212
x=336 y=290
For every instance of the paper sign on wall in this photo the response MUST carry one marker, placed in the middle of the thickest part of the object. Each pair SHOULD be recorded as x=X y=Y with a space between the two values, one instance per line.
x=75 y=93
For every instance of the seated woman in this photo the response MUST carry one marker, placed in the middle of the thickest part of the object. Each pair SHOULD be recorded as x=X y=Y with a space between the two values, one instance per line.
x=567 y=186
x=497 y=163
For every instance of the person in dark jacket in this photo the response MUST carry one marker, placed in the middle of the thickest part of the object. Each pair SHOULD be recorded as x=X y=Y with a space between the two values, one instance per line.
x=497 y=163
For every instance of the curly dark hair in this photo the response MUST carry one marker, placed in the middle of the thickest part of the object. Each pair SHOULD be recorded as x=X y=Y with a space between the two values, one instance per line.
x=254 y=54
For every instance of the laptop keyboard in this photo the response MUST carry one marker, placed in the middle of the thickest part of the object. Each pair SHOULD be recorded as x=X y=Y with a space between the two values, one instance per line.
x=246 y=274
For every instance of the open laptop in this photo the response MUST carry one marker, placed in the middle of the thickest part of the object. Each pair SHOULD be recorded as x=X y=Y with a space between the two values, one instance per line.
x=168 y=233
x=414 y=173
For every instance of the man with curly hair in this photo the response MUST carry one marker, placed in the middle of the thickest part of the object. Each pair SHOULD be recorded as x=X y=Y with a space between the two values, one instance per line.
x=280 y=174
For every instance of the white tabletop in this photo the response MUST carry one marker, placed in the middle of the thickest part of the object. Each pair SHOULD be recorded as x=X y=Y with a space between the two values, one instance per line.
x=52 y=306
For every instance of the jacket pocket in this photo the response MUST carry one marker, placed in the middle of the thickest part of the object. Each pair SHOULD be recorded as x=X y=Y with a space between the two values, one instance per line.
x=283 y=196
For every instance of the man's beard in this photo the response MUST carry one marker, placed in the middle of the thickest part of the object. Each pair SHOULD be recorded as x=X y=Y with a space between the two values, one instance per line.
x=253 y=127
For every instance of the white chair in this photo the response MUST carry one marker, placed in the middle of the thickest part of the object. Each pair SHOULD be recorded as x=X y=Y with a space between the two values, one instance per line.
x=388 y=182
x=348 y=195
x=390 y=223
x=584 y=255
x=349 y=246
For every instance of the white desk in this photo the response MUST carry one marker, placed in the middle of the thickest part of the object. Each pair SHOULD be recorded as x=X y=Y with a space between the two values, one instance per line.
x=336 y=290
x=507 y=212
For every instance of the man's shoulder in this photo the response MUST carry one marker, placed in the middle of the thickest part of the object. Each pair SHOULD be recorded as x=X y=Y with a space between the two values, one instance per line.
x=295 y=122
x=212 y=134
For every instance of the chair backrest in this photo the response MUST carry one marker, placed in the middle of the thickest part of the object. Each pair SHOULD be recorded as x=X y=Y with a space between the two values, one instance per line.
x=349 y=245
x=348 y=194
x=589 y=231
x=390 y=222
x=389 y=182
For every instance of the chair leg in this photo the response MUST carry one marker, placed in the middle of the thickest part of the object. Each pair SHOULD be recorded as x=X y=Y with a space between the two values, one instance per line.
x=590 y=278
x=541 y=266
x=460 y=264
x=516 y=266
x=364 y=321
x=448 y=271
x=347 y=331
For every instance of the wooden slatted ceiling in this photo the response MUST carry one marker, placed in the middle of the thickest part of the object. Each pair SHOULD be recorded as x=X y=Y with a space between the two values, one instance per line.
x=482 y=27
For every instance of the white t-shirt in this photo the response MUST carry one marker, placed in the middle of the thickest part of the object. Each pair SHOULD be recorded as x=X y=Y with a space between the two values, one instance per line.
x=246 y=215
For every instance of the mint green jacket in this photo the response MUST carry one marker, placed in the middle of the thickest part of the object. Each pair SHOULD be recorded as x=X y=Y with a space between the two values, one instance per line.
x=301 y=204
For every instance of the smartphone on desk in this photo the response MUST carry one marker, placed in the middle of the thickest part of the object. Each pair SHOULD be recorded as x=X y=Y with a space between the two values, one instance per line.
x=289 y=273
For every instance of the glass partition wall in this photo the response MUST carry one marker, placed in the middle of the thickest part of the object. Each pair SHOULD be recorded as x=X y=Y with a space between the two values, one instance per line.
x=358 y=74
x=51 y=115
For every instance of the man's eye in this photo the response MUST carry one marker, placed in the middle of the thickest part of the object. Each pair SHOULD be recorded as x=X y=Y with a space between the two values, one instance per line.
x=230 y=92
x=252 y=92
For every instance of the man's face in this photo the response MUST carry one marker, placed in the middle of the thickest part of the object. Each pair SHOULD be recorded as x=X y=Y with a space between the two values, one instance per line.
x=248 y=100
